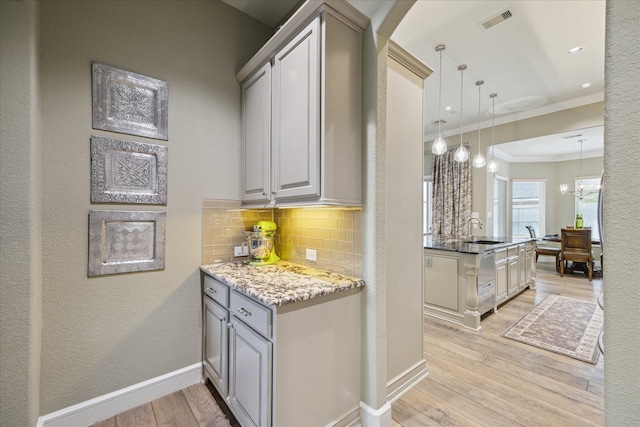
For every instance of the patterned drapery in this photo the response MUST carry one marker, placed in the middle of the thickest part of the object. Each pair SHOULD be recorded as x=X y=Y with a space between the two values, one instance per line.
x=451 y=195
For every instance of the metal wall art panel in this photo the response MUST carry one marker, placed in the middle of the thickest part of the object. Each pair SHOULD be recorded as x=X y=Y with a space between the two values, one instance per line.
x=130 y=103
x=125 y=241
x=128 y=172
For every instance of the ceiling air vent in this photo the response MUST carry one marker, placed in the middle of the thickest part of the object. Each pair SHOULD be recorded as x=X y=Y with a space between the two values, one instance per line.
x=496 y=19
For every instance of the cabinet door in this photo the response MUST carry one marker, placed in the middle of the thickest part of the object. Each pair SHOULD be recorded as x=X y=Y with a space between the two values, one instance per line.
x=249 y=375
x=256 y=136
x=522 y=259
x=501 y=280
x=216 y=344
x=513 y=272
x=296 y=116
x=527 y=267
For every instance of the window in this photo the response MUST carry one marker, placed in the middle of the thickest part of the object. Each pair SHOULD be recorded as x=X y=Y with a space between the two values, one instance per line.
x=527 y=207
x=500 y=206
x=427 y=211
x=588 y=206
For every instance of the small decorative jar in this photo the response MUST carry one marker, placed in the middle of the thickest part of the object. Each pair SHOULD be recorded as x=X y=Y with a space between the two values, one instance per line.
x=579 y=221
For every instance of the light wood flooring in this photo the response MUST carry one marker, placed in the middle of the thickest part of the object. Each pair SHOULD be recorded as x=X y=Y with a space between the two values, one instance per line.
x=476 y=378
x=193 y=406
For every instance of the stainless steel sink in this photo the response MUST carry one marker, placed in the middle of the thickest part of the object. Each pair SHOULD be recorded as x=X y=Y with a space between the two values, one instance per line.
x=484 y=242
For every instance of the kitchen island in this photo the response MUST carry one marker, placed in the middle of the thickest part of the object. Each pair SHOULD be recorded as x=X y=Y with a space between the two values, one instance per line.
x=465 y=278
x=282 y=342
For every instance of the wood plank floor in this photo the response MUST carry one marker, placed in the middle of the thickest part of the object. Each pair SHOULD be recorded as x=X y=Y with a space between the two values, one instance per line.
x=476 y=378
x=193 y=406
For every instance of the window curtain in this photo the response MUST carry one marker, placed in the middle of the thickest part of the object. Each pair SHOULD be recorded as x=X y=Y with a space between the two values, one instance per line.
x=451 y=195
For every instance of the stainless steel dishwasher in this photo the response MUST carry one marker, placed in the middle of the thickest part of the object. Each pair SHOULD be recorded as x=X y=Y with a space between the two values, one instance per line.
x=487 y=282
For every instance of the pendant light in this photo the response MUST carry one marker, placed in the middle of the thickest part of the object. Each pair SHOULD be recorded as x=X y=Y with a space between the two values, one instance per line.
x=493 y=165
x=479 y=160
x=461 y=154
x=581 y=193
x=439 y=145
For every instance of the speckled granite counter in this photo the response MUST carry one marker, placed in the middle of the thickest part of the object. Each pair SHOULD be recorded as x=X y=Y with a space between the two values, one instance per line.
x=280 y=283
x=458 y=244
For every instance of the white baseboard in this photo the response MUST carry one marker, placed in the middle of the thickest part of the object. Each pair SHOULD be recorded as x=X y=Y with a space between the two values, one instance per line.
x=348 y=419
x=406 y=381
x=108 y=405
x=375 y=417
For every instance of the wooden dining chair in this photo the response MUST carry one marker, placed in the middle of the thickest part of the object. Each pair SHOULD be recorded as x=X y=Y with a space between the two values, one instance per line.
x=554 y=252
x=575 y=245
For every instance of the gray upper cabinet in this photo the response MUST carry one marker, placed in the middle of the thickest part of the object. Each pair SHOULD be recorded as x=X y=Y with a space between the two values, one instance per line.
x=302 y=111
x=296 y=94
x=256 y=137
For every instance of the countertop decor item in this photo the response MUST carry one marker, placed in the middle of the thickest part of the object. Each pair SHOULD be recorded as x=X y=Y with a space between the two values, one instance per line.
x=130 y=103
x=280 y=283
x=128 y=172
x=562 y=325
x=125 y=241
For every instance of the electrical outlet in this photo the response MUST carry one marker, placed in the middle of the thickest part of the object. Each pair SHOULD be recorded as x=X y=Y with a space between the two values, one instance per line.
x=312 y=255
x=428 y=261
x=240 y=251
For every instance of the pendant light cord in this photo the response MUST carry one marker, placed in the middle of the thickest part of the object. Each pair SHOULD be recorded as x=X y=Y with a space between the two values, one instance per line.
x=479 y=83
x=461 y=68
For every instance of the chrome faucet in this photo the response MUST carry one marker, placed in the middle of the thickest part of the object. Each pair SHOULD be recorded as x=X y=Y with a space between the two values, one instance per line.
x=470 y=236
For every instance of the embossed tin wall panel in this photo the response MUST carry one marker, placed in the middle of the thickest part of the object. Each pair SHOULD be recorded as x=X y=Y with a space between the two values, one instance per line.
x=130 y=103
x=128 y=172
x=125 y=241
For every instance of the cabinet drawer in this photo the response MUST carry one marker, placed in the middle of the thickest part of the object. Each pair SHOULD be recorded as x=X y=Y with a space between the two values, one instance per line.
x=216 y=290
x=501 y=254
x=511 y=251
x=253 y=314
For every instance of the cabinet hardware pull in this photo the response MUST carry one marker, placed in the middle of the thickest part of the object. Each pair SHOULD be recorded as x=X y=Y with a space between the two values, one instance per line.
x=221 y=318
x=213 y=291
x=244 y=311
x=229 y=325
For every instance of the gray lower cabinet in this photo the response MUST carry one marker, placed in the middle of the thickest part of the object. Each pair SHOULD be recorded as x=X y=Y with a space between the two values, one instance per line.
x=216 y=319
x=288 y=366
x=501 y=279
x=249 y=375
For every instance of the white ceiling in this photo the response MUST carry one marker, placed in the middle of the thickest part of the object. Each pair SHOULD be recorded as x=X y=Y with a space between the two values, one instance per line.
x=554 y=148
x=522 y=59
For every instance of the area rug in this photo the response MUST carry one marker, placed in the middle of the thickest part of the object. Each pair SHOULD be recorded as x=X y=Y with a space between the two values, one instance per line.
x=562 y=325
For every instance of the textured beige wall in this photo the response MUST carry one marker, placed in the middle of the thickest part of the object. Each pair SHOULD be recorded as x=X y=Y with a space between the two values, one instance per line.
x=109 y=332
x=20 y=217
x=622 y=214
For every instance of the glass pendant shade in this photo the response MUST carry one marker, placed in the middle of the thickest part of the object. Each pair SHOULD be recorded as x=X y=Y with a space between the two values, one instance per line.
x=439 y=146
x=461 y=154
x=493 y=166
x=479 y=161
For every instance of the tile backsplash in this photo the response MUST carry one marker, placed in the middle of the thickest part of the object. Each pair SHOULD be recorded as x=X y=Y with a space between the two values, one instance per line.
x=335 y=233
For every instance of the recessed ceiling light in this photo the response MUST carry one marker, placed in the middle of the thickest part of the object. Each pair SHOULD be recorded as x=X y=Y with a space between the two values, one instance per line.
x=575 y=50
x=585 y=85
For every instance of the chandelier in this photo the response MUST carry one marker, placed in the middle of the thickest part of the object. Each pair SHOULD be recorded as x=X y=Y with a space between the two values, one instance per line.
x=581 y=193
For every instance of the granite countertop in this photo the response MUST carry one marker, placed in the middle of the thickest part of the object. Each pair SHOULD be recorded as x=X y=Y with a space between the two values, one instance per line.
x=280 y=283
x=460 y=244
